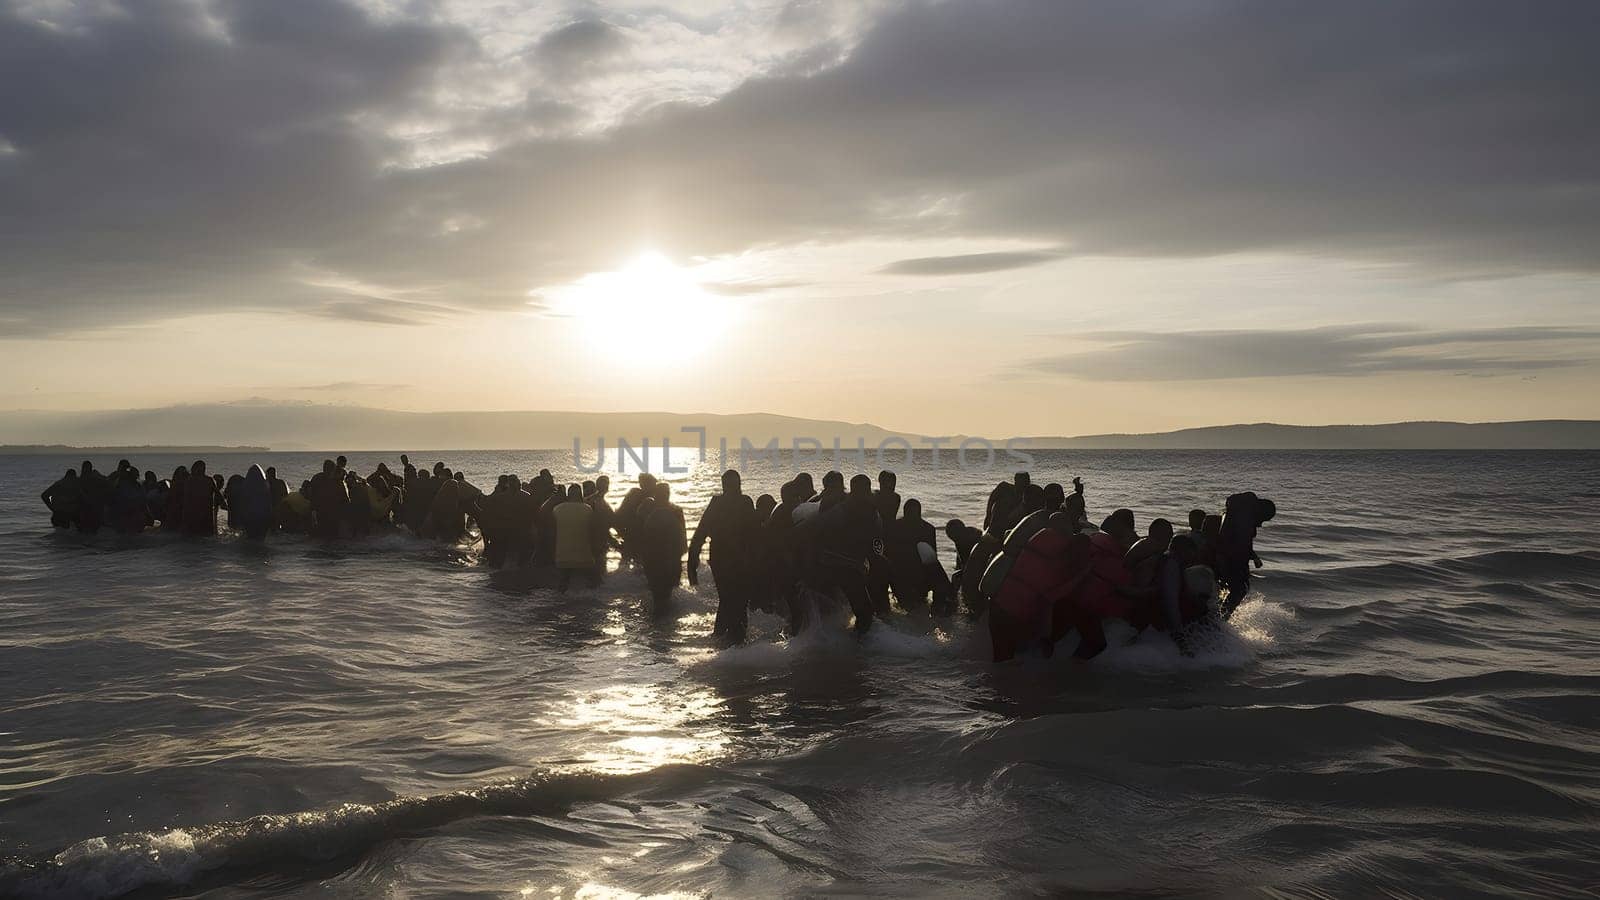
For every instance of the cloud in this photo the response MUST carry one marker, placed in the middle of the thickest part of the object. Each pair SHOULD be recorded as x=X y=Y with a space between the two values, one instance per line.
x=171 y=162
x=167 y=157
x=1335 y=351
x=382 y=311
x=749 y=288
x=970 y=263
x=581 y=45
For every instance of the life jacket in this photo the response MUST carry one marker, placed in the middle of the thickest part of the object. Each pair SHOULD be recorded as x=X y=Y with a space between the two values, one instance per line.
x=994 y=575
x=293 y=512
x=574 y=544
x=1038 y=572
x=1106 y=573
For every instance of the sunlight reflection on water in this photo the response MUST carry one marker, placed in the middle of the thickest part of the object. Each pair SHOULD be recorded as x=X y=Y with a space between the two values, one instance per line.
x=652 y=725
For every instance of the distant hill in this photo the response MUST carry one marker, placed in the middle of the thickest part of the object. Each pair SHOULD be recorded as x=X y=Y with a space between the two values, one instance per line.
x=332 y=428
x=56 y=449
x=1548 y=434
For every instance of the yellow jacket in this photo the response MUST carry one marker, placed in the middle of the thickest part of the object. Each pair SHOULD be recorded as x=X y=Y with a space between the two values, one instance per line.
x=574 y=543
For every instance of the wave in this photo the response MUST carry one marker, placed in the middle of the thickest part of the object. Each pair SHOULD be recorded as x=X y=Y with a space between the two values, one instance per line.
x=163 y=860
x=1327 y=740
x=1353 y=687
x=1543 y=575
x=1528 y=564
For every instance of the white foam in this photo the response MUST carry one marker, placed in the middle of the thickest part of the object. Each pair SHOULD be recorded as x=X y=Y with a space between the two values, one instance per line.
x=882 y=639
x=1259 y=621
x=111 y=867
x=830 y=634
x=1254 y=625
x=760 y=656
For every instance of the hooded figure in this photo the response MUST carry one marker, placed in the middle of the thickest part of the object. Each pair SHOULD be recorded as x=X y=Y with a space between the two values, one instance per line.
x=199 y=501
x=251 y=506
x=172 y=510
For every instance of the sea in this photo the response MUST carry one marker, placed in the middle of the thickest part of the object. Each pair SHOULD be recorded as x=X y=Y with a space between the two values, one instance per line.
x=1408 y=705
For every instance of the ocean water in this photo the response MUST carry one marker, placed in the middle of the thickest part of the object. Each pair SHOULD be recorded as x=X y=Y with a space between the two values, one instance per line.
x=1409 y=705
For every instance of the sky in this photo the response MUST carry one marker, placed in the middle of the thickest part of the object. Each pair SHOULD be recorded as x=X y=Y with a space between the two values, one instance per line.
x=969 y=216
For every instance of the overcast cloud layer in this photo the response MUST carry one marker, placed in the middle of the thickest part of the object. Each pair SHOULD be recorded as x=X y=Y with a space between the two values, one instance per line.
x=167 y=156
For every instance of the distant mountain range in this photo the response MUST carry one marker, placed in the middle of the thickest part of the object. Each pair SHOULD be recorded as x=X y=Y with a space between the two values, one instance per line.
x=58 y=449
x=1547 y=434
x=333 y=428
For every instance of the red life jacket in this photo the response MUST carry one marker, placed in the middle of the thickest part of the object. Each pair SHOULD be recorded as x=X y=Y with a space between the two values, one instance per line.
x=1039 y=573
x=1106 y=573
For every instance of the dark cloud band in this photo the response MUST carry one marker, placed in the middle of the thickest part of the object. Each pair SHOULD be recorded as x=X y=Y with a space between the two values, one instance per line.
x=970 y=263
x=1341 y=351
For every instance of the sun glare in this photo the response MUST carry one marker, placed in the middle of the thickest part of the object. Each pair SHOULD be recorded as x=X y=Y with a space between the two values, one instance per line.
x=649 y=311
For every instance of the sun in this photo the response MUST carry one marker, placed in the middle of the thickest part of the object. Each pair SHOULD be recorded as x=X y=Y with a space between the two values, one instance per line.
x=648 y=311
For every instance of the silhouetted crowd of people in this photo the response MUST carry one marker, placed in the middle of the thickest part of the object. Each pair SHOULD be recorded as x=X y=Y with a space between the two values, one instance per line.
x=1036 y=567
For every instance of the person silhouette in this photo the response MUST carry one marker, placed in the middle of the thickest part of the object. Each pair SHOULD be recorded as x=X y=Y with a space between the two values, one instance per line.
x=64 y=499
x=724 y=523
x=251 y=504
x=574 y=537
x=846 y=537
x=661 y=537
